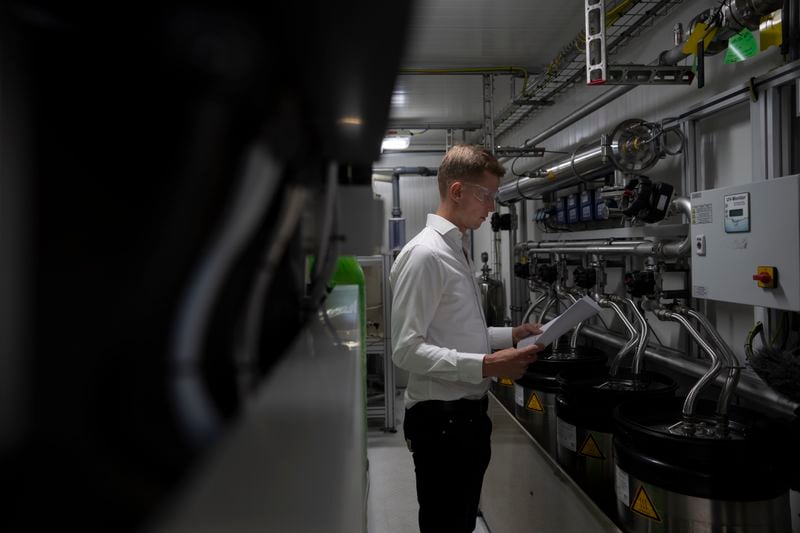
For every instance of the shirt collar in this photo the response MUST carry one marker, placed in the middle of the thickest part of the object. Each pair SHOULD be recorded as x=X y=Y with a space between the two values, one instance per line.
x=443 y=226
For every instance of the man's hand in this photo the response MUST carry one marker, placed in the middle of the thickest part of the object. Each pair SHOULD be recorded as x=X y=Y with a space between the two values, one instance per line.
x=511 y=362
x=525 y=330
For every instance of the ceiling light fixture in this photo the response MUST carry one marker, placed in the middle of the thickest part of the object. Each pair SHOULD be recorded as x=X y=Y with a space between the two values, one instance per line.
x=395 y=143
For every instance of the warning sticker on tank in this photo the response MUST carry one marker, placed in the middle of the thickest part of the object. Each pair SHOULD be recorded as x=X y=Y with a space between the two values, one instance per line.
x=507 y=382
x=519 y=395
x=565 y=433
x=621 y=486
x=534 y=404
x=590 y=448
x=643 y=505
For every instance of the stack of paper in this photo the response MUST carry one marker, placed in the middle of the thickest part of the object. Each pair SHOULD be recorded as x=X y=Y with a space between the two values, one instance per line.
x=581 y=310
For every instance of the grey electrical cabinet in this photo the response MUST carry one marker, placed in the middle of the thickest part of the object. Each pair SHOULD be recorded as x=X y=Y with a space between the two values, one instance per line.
x=746 y=243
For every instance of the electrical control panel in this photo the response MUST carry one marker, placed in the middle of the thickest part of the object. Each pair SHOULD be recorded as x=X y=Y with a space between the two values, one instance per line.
x=746 y=243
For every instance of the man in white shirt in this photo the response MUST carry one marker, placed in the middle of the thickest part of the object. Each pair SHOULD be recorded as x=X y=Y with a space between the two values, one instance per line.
x=439 y=336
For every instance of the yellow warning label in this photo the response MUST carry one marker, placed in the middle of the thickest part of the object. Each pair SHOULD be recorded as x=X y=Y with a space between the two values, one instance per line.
x=590 y=448
x=534 y=404
x=643 y=505
x=551 y=175
x=507 y=382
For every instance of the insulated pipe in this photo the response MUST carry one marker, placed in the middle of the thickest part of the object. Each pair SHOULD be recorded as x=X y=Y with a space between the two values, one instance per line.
x=736 y=15
x=644 y=334
x=582 y=112
x=733 y=364
x=583 y=164
x=713 y=371
x=406 y=171
x=396 y=212
x=645 y=249
x=577 y=244
x=751 y=388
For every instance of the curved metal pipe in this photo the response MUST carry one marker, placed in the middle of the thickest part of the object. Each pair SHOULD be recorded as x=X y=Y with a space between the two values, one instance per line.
x=573 y=341
x=606 y=302
x=681 y=204
x=644 y=335
x=198 y=415
x=750 y=387
x=713 y=371
x=733 y=364
x=550 y=302
x=532 y=307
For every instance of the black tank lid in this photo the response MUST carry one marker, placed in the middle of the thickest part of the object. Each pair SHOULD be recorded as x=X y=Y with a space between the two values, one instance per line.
x=752 y=463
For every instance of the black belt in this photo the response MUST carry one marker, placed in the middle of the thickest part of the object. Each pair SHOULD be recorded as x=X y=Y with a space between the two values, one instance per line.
x=455 y=407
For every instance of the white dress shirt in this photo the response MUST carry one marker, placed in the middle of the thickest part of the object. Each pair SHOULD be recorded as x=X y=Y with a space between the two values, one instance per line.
x=439 y=333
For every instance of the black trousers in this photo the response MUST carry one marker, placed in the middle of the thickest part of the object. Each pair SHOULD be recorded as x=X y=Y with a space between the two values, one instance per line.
x=450 y=443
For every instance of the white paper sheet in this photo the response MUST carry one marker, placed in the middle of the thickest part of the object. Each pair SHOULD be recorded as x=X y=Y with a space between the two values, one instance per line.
x=581 y=310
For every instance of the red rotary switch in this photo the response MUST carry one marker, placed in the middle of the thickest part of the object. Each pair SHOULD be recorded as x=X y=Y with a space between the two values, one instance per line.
x=762 y=277
x=766 y=276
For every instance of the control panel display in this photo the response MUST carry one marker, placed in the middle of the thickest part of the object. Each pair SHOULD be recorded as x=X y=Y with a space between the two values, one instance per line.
x=737 y=213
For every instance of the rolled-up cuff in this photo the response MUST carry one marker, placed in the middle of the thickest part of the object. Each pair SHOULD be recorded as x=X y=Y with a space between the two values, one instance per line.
x=501 y=338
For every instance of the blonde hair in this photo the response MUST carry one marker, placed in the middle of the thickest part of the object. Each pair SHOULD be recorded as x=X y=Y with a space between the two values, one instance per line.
x=467 y=162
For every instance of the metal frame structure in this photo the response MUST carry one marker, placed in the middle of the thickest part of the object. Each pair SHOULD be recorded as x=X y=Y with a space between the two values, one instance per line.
x=388 y=410
x=569 y=66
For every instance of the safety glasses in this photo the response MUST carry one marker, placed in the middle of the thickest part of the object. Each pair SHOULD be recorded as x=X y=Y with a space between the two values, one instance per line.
x=481 y=193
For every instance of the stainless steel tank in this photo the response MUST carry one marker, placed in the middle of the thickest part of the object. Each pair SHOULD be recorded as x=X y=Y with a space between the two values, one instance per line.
x=535 y=393
x=503 y=389
x=493 y=295
x=668 y=479
x=585 y=425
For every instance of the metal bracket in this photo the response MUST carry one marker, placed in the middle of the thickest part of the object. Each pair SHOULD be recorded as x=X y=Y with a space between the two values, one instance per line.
x=649 y=75
x=514 y=151
x=599 y=72
x=596 y=65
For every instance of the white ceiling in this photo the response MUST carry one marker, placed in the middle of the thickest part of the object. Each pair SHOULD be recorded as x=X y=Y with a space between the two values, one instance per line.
x=477 y=33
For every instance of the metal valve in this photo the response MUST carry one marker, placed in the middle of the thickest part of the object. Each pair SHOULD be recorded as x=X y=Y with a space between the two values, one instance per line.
x=640 y=283
x=585 y=278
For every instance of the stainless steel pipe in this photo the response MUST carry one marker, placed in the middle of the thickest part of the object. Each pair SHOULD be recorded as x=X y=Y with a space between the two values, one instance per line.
x=634 y=340
x=750 y=387
x=581 y=165
x=713 y=371
x=733 y=363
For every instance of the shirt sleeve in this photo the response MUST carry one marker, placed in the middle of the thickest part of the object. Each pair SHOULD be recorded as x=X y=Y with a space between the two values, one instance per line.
x=501 y=338
x=418 y=281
